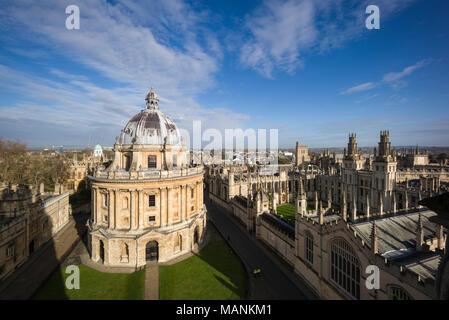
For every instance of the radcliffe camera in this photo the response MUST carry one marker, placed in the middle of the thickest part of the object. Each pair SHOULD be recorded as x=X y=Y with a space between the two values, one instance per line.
x=223 y=159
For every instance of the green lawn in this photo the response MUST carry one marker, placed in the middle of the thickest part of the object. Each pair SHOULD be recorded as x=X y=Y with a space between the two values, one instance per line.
x=214 y=274
x=94 y=285
x=287 y=211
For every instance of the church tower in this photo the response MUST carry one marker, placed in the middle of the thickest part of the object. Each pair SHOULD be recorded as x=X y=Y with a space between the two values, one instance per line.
x=384 y=177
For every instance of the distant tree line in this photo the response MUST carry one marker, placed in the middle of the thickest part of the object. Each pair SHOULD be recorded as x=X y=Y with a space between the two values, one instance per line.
x=19 y=166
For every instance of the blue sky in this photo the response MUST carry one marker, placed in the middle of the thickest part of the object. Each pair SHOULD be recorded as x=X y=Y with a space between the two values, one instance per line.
x=308 y=68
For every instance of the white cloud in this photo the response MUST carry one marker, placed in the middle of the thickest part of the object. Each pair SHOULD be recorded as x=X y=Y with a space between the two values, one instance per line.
x=394 y=76
x=131 y=45
x=279 y=32
x=282 y=32
x=359 y=88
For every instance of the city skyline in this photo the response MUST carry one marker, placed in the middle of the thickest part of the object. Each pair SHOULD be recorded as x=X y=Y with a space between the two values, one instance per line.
x=226 y=66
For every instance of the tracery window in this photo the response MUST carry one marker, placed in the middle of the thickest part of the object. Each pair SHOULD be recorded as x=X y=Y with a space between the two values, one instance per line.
x=345 y=268
x=309 y=247
x=397 y=293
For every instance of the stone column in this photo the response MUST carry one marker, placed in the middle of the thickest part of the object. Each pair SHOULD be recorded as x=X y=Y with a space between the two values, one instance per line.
x=111 y=207
x=93 y=206
x=93 y=211
x=163 y=204
x=140 y=208
x=169 y=206
x=181 y=203
x=114 y=214
x=132 y=210
x=99 y=205
x=197 y=197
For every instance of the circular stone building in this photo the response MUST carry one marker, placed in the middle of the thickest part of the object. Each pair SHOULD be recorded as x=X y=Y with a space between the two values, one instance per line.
x=148 y=203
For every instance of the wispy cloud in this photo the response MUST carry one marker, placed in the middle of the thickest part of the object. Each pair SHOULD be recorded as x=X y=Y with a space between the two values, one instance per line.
x=359 y=88
x=391 y=78
x=280 y=30
x=281 y=33
x=131 y=45
x=394 y=76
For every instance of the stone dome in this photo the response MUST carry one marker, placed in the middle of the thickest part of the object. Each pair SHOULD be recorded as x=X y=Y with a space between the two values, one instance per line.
x=151 y=126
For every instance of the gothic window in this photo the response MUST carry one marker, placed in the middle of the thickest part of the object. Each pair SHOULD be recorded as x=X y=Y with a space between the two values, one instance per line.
x=151 y=200
x=397 y=293
x=309 y=247
x=10 y=250
x=152 y=160
x=345 y=268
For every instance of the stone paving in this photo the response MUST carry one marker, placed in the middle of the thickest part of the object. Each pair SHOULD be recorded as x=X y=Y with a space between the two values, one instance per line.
x=152 y=281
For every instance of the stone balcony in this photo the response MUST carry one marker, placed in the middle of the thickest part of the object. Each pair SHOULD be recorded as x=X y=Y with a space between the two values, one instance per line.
x=146 y=174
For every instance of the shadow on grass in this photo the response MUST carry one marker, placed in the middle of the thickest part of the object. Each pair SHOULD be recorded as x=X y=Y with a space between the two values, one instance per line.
x=215 y=273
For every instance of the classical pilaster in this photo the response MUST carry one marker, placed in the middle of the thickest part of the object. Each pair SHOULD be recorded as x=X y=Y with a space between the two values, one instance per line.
x=162 y=206
x=169 y=205
x=140 y=210
x=114 y=214
x=111 y=207
x=132 y=210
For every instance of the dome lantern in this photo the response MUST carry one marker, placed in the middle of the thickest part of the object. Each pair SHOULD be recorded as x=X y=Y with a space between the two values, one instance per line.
x=152 y=100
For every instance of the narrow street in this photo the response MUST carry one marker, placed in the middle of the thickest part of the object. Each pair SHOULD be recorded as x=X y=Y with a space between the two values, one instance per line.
x=273 y=283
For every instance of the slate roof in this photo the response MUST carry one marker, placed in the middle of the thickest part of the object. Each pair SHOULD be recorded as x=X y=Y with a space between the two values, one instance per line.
x=425 y=265
x=397 y=234
x=326 y=218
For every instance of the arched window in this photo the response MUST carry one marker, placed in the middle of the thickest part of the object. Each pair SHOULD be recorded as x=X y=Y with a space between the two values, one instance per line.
x=178 y=243
x=308 y=247
x=397 y=293
x=345 y=267
x=124 y=254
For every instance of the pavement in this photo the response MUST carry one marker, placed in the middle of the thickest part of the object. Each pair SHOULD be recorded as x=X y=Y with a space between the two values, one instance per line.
x=276 y=280
x=152 y=281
